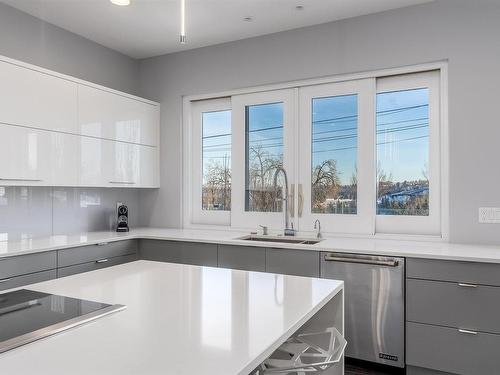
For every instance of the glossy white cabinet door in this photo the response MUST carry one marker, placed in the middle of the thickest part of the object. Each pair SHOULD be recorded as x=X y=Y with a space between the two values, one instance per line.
x=131 y=165
x=63 y=159
x=125 y=165
x=36 y=99
x=112 y=116
x=23 y=156
x=150 y=167
x=93 y=167
x=37 y=157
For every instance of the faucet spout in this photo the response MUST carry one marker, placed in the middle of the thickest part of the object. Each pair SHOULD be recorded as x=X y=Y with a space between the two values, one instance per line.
x=289 y=231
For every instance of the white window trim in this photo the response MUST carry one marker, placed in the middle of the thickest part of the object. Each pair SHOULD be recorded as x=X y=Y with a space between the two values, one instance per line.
x=240 y=217
x=363 y=221
x=405 y=224
x=198 y=215
x=442 y=66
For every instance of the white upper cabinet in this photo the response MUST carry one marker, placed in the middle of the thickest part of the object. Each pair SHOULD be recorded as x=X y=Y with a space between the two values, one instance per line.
x=131 y=165
x=60 y=131
x=37 y=157
x=112 y=116
x=35 y=99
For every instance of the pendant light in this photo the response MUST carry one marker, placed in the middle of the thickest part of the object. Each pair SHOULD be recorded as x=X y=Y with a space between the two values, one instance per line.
x=182 y=37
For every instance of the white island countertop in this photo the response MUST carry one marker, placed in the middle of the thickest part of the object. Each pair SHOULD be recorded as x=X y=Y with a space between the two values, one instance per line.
x=179 y=320
x=361 y=245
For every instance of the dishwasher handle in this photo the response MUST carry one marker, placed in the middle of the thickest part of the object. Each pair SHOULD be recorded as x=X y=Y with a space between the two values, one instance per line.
x=360 y=259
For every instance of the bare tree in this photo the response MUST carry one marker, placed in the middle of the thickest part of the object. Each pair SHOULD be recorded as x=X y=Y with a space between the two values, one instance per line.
x=325 y=183
x=217 y=185
x=262 y=166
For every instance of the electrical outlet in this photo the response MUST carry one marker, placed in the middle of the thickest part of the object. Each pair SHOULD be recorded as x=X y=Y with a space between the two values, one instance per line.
x=489 y=215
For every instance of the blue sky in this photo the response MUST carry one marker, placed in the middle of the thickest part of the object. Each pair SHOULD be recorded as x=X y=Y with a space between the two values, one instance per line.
x=403 y=135
x=402 y=132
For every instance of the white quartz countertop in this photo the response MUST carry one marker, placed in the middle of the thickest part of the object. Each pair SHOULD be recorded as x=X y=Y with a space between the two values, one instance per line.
x=179 y=320
x=360 y=245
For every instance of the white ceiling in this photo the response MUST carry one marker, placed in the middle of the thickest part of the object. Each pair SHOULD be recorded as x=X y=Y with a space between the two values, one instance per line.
x=151 y=27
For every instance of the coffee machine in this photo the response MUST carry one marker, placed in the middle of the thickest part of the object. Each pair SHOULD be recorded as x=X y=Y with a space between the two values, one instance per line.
x=122 y=214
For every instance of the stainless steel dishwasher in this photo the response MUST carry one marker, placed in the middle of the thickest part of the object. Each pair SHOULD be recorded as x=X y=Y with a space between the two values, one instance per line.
x=374 y=304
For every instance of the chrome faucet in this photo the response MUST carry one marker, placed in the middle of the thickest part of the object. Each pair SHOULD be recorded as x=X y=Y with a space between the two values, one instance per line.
x=317 y=225
x=288 y=231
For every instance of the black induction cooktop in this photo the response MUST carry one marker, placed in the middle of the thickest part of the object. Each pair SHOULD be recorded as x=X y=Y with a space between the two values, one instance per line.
x=28 y=315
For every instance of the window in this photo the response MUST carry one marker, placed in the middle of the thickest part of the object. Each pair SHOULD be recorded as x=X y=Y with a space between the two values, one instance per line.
x=210 y=164
x=264 y=154
x=408 y=158
x=263 y=141
x=335 y=156
x=363 y=156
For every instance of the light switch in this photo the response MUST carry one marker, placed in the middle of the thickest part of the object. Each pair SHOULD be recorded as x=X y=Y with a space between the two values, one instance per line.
x=489 y=215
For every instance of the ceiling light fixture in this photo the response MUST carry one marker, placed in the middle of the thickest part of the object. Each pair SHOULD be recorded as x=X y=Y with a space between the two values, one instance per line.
x=299 y=7
x=248 y=19
x=122 y=3
x=182 y=37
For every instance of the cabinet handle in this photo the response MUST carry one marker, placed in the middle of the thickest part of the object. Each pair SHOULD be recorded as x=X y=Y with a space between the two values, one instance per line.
x=102 y=244
x=301 y=201
x=389 y=262
x=122 y=182
x=101 y=261
x=20 y=179
x=467 y=332
x=5 y=280
x=465 y=285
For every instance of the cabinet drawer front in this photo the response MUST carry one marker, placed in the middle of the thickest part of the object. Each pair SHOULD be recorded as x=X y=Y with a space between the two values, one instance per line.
x=31 y=278
x=199 y=254
x=468 y=272
x=161 y=251
x=84 y=254
x=92 y=266
x=450 y=304
x=447 y=349
x=292 y=262
x=24 y=264
x=246 y=258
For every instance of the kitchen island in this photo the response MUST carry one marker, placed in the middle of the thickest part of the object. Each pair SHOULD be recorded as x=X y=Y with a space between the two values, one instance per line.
x=180 y=319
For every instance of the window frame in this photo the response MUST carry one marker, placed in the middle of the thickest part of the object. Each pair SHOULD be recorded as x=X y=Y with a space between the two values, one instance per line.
x=363 y=221
x=408 y=224
x=440 y=66
x=198 y=214
x=240 y=218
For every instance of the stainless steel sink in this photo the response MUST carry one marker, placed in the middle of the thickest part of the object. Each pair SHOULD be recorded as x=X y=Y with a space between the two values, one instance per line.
x=279 y=239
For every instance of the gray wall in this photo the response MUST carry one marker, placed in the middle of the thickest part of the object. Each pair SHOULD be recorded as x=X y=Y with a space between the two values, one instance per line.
x=30 y=212
x=26 y=38
x=27 y=212
x=462 y=31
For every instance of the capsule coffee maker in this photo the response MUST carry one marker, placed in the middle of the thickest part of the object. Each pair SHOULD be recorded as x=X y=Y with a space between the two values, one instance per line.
x=122 y=213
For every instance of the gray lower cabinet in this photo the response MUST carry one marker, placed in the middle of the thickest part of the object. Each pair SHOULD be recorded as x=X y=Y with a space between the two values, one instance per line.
x=452 y=323
x=195 y=253
x=161 y=251
x=92 y=253
x=449 y=350
x=95 y=265
x=293 y=262
x=475 y=307
x=24 y=264
x=31 y=278
x=246 y=258
x=27 y=269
